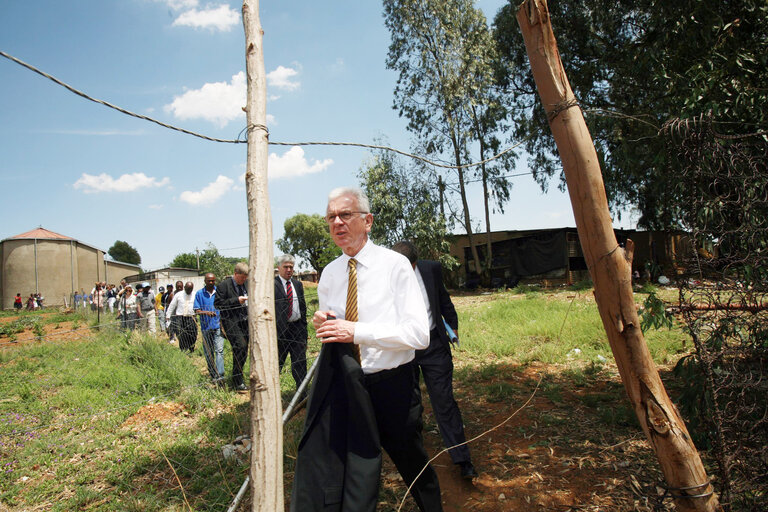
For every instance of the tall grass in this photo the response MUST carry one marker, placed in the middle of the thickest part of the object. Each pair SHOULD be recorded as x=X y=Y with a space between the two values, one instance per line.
x=65 y=443
x=551 y=327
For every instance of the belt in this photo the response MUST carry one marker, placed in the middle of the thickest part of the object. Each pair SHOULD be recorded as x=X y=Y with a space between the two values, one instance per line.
x=373 y=378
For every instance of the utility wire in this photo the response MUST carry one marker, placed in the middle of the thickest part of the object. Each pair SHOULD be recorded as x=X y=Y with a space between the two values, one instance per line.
x=249 y=128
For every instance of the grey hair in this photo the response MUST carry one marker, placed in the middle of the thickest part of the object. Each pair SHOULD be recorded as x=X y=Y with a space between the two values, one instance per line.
x=285 y=258
x=241 y=268
x=362 y=199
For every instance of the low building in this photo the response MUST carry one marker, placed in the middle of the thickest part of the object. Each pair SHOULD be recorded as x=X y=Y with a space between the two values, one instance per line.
x=55 y=266
x=168 y=275
x=554 y=256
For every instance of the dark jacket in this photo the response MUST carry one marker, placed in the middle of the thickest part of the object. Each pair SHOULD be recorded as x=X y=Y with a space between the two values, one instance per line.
x=282 y=308
x=234 y=316
x=439 y=301
x=339 y=459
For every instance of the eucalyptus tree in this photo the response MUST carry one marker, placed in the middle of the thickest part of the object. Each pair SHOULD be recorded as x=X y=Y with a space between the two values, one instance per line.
x=442 y=51
x=634 y=65
x=413 y=213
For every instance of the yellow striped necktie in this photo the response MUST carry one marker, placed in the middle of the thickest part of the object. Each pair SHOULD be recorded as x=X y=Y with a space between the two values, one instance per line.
x=350 y=313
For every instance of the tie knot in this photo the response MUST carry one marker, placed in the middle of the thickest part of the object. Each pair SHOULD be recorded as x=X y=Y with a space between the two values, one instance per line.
x=352 y=263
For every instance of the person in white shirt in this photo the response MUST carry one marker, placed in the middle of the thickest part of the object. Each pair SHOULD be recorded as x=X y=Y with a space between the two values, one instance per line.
x=390 y=324
x=182 y=315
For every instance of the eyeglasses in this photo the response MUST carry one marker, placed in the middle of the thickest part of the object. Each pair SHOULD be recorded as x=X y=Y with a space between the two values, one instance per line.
x=344 y=216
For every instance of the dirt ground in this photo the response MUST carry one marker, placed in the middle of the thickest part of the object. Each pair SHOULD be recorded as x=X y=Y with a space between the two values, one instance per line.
x=538 y=441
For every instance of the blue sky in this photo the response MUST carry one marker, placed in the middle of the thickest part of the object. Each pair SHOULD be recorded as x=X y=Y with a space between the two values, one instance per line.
x=91 y=173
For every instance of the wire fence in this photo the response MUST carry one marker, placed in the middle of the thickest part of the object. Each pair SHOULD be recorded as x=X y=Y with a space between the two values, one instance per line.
x=86 y=392
x=723 y=300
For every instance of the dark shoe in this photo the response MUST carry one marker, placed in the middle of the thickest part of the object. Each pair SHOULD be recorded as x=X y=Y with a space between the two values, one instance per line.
x=241 y=387
x=467 y=470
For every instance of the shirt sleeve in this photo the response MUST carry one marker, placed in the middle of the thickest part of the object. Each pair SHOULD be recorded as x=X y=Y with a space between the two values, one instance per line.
x=174 y=304
x=409 y=327
x=198 y=304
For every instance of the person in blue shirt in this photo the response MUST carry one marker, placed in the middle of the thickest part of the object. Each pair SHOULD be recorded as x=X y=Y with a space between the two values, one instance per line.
x=210 y=326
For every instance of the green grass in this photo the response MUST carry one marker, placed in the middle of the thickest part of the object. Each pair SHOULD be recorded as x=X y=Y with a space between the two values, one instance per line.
x=63 y=405
x=551 y=327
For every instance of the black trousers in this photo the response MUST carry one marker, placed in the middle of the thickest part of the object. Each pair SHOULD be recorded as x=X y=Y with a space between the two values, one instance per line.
x=436 y=366
x=185 y=329
x=236 y=331
x=397 y=406
x=293 y=341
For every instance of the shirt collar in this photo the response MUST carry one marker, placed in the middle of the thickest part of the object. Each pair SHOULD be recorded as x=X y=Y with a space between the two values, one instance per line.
x=283 y=280
x=364 y=256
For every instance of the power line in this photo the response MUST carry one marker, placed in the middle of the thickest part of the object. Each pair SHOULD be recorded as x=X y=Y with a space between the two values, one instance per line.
x=248 y=128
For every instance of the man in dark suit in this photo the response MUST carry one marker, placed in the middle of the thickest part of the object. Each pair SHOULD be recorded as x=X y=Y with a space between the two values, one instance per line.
x=291 y=316
x=435 y=362
x=232 y=300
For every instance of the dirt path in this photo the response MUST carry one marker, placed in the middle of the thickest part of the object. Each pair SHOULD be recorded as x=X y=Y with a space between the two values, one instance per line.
x=562 y=452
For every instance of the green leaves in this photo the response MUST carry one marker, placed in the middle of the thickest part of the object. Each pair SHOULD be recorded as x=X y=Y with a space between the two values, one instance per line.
x=123 y=251
x=307 y=237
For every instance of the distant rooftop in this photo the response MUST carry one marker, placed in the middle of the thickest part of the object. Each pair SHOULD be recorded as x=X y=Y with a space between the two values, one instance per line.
x=41 y=233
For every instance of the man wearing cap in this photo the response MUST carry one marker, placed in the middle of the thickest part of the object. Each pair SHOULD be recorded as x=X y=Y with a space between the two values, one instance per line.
x=147 y=311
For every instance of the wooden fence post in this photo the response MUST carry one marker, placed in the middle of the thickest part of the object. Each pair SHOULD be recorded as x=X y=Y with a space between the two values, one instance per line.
x=266 y=472
x=610 y=267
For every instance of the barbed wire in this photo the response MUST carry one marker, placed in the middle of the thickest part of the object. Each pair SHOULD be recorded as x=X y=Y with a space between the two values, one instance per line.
x=249 y=127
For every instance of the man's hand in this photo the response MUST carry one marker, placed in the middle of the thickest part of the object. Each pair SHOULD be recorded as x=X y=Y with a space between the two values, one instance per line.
x=337 y=331
x=242 y=299
x=333 y=331
x=321 y=316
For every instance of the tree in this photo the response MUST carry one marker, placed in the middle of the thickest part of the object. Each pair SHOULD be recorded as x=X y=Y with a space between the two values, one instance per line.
x=633 y=66
x=210 y=261
x=443 y=53
x=410 y=214
x=307 y=237
x=123 y=251
x=610 y=267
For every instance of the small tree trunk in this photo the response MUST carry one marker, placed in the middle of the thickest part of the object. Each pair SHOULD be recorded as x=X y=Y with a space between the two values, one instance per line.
x=266 y=423
x=610 y=268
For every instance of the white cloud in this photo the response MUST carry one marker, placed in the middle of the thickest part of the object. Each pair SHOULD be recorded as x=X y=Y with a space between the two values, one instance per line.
x=293 y=163
x=156 y=206
x=181 y=4
x=125 y=183
x=210 y=194
x=221 y=18
x=271 y=121
x=281 y=78
x=218 y=102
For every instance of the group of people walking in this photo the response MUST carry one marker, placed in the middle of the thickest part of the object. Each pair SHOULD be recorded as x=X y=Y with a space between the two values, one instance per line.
x=221 y=310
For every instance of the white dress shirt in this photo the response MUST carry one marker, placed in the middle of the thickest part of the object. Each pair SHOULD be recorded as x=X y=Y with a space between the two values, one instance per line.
x=183 y=304
x=392 y=319
x=295 y=312
x=423 y=288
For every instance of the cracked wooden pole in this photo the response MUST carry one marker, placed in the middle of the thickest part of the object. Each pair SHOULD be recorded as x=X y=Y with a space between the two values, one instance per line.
x=266 y=473
x=610 y=267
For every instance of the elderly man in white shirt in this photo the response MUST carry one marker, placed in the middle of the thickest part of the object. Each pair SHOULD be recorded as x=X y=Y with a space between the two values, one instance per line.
x=387 y=320
x=181 y=311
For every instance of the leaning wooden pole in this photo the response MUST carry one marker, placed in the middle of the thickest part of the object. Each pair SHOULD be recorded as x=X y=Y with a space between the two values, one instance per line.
x=266 y=473
x=610 y=267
